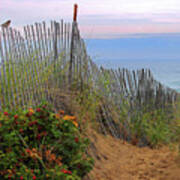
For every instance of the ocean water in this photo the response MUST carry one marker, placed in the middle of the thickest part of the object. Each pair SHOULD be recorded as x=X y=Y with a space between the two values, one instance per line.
x=160 y=54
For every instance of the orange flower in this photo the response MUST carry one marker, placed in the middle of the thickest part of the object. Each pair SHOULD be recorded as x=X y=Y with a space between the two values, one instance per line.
x=67 y=117
x=34 y=150
x=33 y=153
x=31 y=110
x=50 y=156
x=75 y=123
x=53 y=157
x=59 y=158
x=48 y=152
x=59 y=163
x=57 y=116
x=61 y=112
x=9 y=171
x=8 y=150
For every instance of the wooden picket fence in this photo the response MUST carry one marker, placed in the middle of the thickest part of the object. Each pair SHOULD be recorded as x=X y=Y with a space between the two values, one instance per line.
x=42 y=59
x=29 y=59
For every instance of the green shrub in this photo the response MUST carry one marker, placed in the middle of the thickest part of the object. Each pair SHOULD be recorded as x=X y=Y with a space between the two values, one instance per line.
x=153 y=127
x=41 y=144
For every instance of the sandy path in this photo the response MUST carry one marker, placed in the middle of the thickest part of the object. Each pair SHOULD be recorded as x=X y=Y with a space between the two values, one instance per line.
x=116 y=160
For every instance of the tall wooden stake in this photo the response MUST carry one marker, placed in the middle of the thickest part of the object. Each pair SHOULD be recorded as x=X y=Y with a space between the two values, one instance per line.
x=75 y=12
x=72 y=43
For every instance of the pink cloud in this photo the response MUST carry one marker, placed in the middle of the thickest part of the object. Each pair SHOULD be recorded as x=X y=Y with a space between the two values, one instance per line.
x=100 y=18
x=110 y=31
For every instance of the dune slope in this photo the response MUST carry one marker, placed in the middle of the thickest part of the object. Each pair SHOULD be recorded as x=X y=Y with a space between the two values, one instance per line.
x=119 y=160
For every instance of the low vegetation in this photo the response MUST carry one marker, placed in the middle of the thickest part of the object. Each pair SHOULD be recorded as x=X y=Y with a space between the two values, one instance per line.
x=38 y=143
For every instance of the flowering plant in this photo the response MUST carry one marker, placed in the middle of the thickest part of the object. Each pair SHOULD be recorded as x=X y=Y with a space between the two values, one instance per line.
x=38 y=143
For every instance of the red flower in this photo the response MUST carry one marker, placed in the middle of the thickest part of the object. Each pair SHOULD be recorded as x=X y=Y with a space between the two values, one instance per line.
x=66 y=171
x=21 y=178
x=69 y=172
x=6 y=113
x=44 y=106
x=28 y=150
x=79 y=166
x=32 y=123
x=13 y=170
x=21 y=160
x=41 y=117
x=38 y=110
x=39 y=128
x=15 y=116
x=76 y=140
x=21 y=130
x=16 y=122
x=38 y=137
x=34 y=177
x=63 y=170
x=17 y=164
x=29 y=114
x=35 y=122
x=44 y=133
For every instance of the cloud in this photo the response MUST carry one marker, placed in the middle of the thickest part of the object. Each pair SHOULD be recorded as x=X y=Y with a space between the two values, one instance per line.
x=105 y=31
x=22 y=12
x=100 y=17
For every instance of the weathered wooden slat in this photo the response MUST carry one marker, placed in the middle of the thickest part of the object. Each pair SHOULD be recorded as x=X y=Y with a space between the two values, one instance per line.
x=33 y=69
x=11 y=68
x=6 y=66
x=44 y=32
x=16 y=74
x=55 y=42
x=2 y=78
x=27 y=66
x=42 y=40
x=37 y=63
x=20 y=64
x=39 y=47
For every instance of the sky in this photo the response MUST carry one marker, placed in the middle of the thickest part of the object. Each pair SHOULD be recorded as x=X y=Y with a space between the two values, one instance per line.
x=99 y=19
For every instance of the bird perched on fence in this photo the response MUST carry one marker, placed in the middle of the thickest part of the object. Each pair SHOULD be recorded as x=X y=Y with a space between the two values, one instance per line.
x=6 y=24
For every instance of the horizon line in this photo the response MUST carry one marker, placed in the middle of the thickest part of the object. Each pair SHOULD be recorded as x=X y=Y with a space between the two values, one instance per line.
x=130 y=35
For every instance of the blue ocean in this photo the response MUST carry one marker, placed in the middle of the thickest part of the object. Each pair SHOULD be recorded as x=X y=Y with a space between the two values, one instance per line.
x=160 y=53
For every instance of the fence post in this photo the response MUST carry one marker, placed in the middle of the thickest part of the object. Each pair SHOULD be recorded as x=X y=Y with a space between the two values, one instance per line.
x=72 y=43
x=75 y=12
